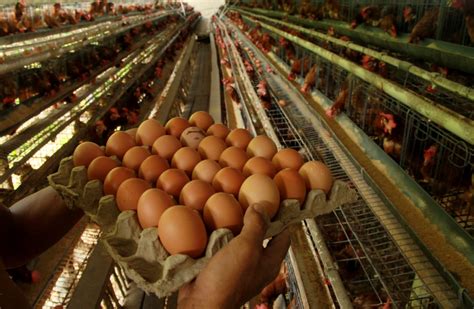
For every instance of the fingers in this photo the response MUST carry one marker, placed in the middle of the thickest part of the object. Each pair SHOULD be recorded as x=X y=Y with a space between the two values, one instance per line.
x=275 y=252
x=255 y=224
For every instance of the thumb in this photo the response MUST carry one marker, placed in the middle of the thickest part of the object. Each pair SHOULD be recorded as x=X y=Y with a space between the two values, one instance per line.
x=256 y=222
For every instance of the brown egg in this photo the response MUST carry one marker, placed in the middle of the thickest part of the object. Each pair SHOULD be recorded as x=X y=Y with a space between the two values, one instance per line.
x=134 y=157
x=151 y=206
x=259 y=165
x=148 y=132
x=201 y=120
x=115 y=178
x=86 y=152
x=118 y=144
x=100 y=167
x=182 y=231
x=287 y=158
x=192 y=136
x=262 y=146
x=132 y=132
x=175 y=126
x=239 y=138
x=129 y=192
x=219 y=130
x=222 y=210
x=291 y=185
x=317 y=176
x=260 y=189
x=186 y=158
x=206 y=170
x=211 y=147
x=233 y=157
x=152 y=167
x=195 y=194
x=172 y=181
x=166 y=146
x=228 y=180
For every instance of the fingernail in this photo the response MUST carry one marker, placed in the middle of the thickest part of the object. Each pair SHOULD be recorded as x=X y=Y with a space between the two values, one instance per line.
x=262 y=210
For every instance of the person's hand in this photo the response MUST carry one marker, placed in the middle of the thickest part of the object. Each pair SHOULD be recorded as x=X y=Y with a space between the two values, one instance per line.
x=241 y=269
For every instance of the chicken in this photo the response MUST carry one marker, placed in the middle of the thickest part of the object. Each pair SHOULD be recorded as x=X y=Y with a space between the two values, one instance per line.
x=310 y=79
x=289 y=7
x=470 y=26
x=370 y=301
x=264 y=94
x=299 y=66
x=388 y=21
x=440 y=174
x=339 y=102
x=467 y=6
x=50 y=21
x=288 y=47
x=307 y=10
x=349 y=53
x=369 y=63
x=266 y=42
x=389 y=130
x=230 y=88
x=331 y=9
x=369 y=15
x=426 y=27
x=409 y=17
x=249 y=69
x=4 y=30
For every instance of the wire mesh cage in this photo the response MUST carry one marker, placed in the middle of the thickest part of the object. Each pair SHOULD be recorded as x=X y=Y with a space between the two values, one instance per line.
x=373 y=268
x=439 y=161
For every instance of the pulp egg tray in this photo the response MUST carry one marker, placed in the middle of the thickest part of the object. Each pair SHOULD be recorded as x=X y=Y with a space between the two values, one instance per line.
x=139 y=252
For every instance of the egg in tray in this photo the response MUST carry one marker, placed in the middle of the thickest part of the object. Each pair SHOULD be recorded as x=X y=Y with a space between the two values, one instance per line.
x=168 y=198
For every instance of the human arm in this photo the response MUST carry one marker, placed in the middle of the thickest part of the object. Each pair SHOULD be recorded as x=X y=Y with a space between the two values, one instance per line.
x=241 y=269
x=32 y=225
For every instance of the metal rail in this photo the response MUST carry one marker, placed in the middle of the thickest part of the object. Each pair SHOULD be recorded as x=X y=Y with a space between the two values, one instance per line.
x=382 y=248
x=242 y=83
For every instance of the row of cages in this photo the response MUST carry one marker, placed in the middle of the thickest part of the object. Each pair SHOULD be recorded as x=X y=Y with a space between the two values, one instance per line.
x=41 y=80
x=21 y=17
x=454 y=23
x=446 y=98
x=119 y=113
x=441 y=163
x=372 y=267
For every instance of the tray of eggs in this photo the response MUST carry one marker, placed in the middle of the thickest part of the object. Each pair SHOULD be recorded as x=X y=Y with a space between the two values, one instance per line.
x=168 y=198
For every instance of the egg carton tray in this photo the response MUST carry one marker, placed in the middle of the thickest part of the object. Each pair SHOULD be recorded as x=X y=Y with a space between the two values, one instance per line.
x=139 y=251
